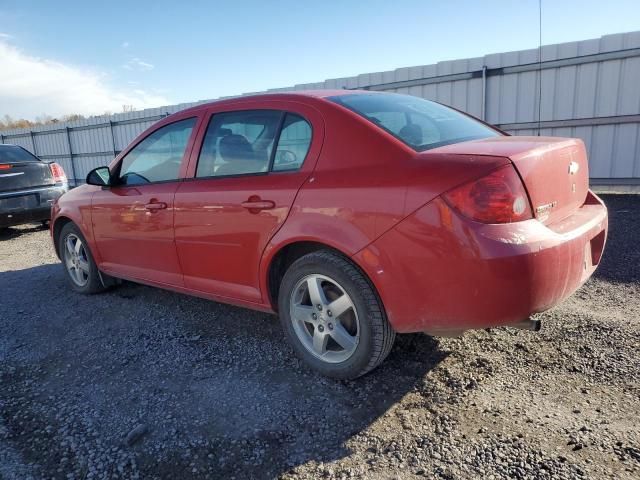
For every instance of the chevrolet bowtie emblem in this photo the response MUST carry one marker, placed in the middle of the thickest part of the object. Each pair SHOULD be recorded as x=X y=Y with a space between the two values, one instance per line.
x=573 y=168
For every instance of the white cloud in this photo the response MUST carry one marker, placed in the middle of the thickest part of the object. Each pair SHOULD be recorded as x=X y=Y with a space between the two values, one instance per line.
x=125 y=45
x=136 y=64
x=32 y=86
x=5 y=36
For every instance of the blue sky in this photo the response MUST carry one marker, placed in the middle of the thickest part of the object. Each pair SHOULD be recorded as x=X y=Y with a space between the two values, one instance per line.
x=91 y=57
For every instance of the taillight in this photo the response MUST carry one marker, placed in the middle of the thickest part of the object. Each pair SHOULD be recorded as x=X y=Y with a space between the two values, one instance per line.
x=499 y=197
x=58 y=173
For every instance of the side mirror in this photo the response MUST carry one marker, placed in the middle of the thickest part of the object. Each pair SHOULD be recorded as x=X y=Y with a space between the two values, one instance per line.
x=100 y=176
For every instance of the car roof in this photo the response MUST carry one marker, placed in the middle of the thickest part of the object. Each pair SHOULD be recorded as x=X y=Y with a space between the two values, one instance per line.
x=290 y=95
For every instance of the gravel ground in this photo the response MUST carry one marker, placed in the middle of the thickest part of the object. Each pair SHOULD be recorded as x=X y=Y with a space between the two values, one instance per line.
x=143 y=383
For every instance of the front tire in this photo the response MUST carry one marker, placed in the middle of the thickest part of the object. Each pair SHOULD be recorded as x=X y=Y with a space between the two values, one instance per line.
x=332 y=316
x=80 y=269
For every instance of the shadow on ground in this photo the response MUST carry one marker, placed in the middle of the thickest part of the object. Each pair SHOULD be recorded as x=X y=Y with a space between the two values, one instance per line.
x=216 y=387
x=7 y=233
x=624 y=223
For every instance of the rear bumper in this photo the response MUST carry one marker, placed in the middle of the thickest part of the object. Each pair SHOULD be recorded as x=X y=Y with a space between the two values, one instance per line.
x=441 y=273
x=31 y=205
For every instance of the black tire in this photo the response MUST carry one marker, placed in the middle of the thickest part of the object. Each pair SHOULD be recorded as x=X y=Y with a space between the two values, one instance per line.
x=376 y=336
x=93 y=283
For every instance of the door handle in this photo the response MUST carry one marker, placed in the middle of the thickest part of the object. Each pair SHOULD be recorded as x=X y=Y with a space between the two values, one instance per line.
x=257 y=205
x=155 y=206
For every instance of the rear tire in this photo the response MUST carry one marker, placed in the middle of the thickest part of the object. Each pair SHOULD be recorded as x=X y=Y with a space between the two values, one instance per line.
x=347 y=342
x=80 y=269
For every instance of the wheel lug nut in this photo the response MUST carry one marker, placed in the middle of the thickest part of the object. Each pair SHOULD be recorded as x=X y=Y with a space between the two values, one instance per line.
x=329 y=313
x=314 y=316
x=320 y=328
x=330 y=326
x=319 y=307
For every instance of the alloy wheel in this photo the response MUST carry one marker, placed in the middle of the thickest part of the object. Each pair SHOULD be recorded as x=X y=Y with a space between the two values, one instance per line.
x=76 y=260
x=324 y=318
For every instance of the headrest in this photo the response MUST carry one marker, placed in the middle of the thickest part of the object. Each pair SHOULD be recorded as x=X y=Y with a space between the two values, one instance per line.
x=235 y=147
x=411 y=134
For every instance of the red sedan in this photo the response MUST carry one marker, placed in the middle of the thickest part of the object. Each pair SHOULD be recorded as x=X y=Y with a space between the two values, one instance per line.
x=353 y=214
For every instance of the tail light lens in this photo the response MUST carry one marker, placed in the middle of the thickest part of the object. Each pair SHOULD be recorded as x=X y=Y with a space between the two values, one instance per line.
x=58 y=173
x=499 y=197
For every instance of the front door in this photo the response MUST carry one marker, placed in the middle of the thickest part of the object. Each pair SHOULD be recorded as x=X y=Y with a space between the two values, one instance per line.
x=133 y=219
x=249 y=170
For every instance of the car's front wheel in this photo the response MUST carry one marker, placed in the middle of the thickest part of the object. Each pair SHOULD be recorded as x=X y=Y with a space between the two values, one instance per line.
x=333 y=317
x=79 y=266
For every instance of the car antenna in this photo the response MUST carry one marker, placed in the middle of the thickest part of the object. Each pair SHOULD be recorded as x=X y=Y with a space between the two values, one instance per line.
x=539 y=66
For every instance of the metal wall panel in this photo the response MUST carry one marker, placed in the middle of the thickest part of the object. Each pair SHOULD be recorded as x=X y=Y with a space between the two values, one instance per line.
x=54 y=143
x=24 y=141
x=99 y=140
x=587 y=88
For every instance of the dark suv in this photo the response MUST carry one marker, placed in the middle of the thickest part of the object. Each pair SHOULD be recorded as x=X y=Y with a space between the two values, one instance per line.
x=27 y=186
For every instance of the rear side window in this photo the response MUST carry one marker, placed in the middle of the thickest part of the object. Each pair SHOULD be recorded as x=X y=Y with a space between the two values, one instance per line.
x=419 y=123
x=157 y=158
x=15 y=154
x=293 y=143
x=238 y=143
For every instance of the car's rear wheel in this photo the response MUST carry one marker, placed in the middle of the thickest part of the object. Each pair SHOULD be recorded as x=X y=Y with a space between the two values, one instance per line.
x=333 y=317
x=79 y=266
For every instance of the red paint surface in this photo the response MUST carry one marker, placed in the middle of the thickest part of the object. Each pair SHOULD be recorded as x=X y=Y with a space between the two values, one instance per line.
x=366 y=194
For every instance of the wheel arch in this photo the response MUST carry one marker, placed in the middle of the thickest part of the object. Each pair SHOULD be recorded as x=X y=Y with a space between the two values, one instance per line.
x=57 y=227
x=282 y=257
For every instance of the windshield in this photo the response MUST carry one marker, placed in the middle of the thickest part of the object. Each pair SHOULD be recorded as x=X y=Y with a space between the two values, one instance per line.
x=419 y=123
x=15 y=154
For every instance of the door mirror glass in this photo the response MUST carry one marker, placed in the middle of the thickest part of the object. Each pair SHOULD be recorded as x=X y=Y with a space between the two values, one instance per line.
x=100 y=176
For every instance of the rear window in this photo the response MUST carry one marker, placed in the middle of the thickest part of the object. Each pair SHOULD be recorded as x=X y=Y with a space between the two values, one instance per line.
x=419 y=123
x=14 y=154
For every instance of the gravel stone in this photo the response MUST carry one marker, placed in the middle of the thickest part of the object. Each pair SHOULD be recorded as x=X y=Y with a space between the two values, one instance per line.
x=136 y=434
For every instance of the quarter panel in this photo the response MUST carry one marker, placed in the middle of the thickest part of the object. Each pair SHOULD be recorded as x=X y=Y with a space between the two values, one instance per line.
x=365 y=182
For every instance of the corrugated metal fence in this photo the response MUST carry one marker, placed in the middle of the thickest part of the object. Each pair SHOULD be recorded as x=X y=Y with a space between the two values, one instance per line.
x=590 y=89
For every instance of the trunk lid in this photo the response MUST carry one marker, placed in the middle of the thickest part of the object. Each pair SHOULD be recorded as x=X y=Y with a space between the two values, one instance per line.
x=22 y=176
x=555 y=171
x=20 y=170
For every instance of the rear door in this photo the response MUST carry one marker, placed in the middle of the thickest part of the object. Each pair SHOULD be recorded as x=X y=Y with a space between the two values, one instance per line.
x=245 y=178
x=133 y=219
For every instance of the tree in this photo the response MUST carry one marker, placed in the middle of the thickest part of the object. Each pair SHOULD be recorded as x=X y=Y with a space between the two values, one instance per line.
x=7 y=122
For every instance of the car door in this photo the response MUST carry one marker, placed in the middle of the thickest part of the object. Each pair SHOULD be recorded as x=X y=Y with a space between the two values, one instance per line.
x=133 y=218
x=245 y=176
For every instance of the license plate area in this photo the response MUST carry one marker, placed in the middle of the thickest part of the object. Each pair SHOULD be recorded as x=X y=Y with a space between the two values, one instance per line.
x=23 y=202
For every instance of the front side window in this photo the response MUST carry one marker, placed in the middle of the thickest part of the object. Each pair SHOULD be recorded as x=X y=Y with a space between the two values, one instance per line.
x=238 y=143
x=419 y=123
x=293 y=143
x=158 y=157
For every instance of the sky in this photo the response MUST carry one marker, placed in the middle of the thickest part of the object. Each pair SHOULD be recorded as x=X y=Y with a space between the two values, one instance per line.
x=88 y=57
